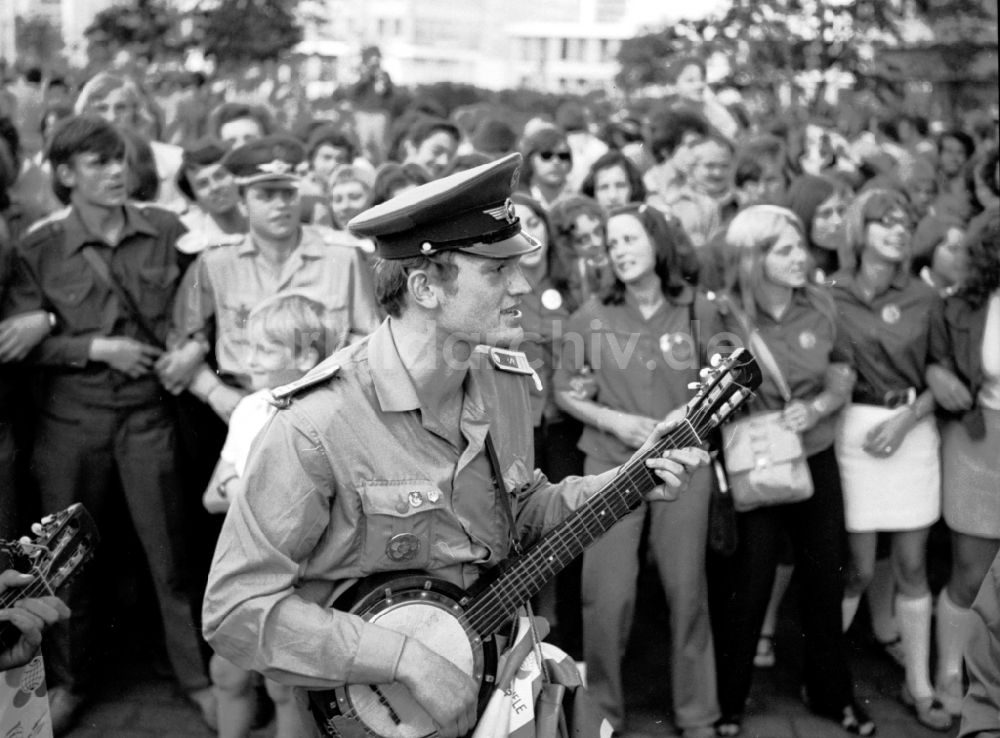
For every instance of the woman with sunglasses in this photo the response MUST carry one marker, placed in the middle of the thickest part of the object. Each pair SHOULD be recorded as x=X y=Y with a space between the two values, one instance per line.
x=547 y=164
x=640 y=339
x=578 y=228
x=888 y=443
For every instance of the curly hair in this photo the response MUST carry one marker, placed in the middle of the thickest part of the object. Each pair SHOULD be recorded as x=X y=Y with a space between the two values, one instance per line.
x=983 y=267
x=676 y=264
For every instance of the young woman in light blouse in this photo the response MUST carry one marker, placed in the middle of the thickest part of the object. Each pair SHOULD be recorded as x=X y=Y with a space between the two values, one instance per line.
x=642 y=339
x=888 y=445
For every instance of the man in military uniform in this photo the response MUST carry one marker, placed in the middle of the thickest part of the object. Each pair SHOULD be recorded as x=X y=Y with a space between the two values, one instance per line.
x=106 y=271
x=277 y=255
x=380 y=462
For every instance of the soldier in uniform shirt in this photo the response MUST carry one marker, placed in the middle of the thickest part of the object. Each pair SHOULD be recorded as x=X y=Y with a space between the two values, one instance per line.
x=105 y=431
x=386 y=446
x=278 y=255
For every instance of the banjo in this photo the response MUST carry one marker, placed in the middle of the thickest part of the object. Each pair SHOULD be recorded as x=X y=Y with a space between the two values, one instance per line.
x=462 y=625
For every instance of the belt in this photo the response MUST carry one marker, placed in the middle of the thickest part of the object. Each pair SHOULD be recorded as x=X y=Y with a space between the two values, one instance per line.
x=890 y=398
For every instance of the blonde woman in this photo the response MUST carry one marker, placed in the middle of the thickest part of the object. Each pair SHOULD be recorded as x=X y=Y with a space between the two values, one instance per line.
x=768 y=290
x=888 y=446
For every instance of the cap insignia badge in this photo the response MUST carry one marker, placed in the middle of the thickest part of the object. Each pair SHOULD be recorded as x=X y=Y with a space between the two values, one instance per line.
x=503 y=212
x=278 y=166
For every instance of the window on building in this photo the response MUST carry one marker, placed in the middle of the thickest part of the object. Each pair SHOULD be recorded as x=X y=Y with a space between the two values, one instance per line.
x=564 y=48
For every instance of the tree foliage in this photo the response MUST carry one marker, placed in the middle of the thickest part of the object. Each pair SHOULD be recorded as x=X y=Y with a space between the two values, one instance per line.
x=246 y=31
x=38 y=40
x=770 y=41
x=147 y=28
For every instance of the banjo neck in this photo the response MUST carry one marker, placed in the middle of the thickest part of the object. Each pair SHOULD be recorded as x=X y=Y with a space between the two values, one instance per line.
x=490 y=608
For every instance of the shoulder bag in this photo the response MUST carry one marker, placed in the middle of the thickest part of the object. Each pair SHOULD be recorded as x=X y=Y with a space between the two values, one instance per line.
x=765 y=461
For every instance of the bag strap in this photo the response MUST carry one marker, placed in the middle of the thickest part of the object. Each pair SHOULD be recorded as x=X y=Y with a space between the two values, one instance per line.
x=500 y=486
x=758 y=346
x=103 y=271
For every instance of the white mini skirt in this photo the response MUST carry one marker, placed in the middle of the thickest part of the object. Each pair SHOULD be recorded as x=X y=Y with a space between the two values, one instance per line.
x=900 y=492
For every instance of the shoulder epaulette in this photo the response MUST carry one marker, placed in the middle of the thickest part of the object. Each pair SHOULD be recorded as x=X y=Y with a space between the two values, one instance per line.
x=514 y=362
x=281 y=397
x=47 y=222
x=225 y=239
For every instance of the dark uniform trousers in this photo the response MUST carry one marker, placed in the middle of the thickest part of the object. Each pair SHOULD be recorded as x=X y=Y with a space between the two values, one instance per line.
x=95 y=455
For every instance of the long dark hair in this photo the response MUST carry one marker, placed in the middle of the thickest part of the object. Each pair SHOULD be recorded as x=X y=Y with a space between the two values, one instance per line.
x=556 y=270
x=983 y=270
x=676 y=262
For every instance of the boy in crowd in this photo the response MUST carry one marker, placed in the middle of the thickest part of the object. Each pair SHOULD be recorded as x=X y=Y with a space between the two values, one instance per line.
x=288 y=336
x=106 y=271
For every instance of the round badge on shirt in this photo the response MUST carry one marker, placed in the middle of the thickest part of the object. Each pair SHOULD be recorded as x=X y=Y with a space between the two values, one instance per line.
x=807 y=340
x=402 y=547
x=551 y=299
x=671 y=345
x=891 y=314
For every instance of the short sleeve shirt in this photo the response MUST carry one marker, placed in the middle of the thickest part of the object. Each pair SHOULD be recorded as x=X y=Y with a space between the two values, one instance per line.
x=641 y=366
x=544 y=320
x=887 y=338
x=225 y=283
x=803 y=343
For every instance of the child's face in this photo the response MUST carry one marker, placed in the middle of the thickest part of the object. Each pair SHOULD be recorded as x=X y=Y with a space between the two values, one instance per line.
x=272 y=364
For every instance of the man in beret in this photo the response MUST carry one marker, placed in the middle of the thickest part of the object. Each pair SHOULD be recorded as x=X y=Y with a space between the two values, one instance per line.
x=279 y=254
x=379 y=461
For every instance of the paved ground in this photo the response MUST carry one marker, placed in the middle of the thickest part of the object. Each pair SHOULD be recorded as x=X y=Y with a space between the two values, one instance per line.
x=134 y=702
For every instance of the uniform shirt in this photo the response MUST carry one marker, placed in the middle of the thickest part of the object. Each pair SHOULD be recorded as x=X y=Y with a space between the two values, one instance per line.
x=545 y=316
x=227 y=282
x=640 y=365
x=886 y=340
x=53 y=275
x=202 y=231
x=804 y=344
x=353 y=479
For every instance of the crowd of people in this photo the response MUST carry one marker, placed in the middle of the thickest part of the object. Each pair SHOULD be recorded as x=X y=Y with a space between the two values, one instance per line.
x=159 y=278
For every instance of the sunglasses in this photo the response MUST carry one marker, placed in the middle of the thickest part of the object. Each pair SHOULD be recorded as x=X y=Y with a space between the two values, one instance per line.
x=890 y=220
x=561 y=155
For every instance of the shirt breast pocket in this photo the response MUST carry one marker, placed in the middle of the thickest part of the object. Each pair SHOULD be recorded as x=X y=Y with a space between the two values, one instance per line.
x=69 y=296
x=157 y=285
x=400 y=521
